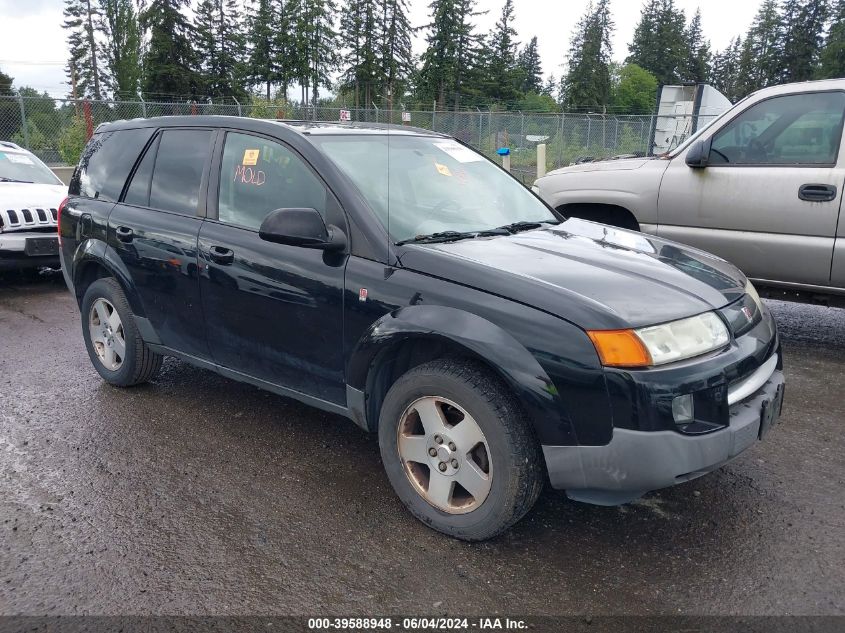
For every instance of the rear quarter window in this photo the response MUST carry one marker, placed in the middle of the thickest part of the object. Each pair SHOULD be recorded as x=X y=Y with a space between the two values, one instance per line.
x=106 y=162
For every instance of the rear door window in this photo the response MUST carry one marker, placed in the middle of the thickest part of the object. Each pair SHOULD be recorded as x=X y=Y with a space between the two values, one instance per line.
x=179 y=165
x=106 y=162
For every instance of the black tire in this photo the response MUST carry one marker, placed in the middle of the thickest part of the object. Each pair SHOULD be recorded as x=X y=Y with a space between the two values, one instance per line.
x=517 y=474
x=140 y=363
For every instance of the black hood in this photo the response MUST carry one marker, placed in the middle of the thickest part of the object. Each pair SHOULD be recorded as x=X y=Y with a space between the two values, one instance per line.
x=593 y=275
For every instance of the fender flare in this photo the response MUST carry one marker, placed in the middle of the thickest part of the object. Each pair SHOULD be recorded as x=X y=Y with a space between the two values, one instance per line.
x=97 y=252
x=482 y=339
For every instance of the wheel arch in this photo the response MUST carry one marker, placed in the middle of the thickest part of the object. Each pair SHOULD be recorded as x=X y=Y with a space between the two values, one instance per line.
x=411 y=336
x=612 y=214
x=96 y=260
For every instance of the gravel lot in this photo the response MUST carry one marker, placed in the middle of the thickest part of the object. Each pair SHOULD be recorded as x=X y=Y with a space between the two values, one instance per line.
x=198 y=495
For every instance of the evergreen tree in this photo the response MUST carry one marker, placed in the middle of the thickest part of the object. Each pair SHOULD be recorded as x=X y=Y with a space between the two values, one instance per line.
x=83 y=69
x=550 y=87
x=587 y=81
x=469 y=66
x=531 y=68
x=360 y=28
x=10 y=113
x=396 y=61
x=122 y=35
x=760 y=62
x=503 y=73
x=170 y=61
x=801 y=37
x=832 y=58
x=660 y=41
x=6 y=85
x=318 y=44
x=289 y=45
x=221 y=47
x=452 y=52
x=263 y=54
x=697 y=67
x=724 y=75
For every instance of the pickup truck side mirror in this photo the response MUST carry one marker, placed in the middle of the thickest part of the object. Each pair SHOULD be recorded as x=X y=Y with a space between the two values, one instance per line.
x=301 y=227
x=698 y=155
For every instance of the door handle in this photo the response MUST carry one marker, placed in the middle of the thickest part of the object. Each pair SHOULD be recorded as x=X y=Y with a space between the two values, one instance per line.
x=817 y=193
x=221 y=255
x=124 y=234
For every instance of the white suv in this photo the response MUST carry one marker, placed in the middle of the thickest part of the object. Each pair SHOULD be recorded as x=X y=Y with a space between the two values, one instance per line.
x=30 y=195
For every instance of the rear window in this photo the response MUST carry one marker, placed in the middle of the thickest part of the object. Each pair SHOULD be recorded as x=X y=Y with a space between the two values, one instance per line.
x=106 y=162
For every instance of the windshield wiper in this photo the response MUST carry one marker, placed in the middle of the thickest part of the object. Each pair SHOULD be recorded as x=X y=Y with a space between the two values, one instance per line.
x=451 y=236
x=7 y=179
x=523 y=225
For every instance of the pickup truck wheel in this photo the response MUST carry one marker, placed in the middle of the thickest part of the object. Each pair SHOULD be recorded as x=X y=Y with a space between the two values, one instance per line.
x=458 y=450
x=114 y=345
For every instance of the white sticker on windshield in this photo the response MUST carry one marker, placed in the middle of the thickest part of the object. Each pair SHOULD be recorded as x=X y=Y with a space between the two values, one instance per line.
x=19 y=158
x=459 y=152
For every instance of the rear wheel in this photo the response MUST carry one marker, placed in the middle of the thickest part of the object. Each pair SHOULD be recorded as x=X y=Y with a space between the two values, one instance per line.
x=114 y=345
x=458 y=449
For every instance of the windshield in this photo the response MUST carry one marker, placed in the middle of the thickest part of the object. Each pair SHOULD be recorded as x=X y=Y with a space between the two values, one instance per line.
x=15 y=167
x=420 y=185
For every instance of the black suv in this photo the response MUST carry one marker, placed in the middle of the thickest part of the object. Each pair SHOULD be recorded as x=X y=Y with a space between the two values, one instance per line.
x=399 y=278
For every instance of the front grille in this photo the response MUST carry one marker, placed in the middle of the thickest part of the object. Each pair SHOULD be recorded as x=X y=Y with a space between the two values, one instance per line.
x=30 y=219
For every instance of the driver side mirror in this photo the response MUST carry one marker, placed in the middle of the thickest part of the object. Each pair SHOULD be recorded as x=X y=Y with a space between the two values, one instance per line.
x=698 y=155
x=301 y=227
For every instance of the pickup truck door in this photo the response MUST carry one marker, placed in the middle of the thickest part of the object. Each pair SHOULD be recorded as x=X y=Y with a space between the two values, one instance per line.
x=272 y=311
x=768 y=199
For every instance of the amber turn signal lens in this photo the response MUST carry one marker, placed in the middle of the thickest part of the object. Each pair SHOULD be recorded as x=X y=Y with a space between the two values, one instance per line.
x=620 y=348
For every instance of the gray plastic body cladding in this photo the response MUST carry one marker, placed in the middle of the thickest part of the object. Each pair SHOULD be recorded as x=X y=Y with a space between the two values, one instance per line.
x=635 y=462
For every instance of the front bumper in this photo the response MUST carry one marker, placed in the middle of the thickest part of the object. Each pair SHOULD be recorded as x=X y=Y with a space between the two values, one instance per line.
x=635 y=462
x=27 y=250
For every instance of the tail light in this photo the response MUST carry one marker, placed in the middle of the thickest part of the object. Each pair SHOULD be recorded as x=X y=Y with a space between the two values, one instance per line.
x=59 y=219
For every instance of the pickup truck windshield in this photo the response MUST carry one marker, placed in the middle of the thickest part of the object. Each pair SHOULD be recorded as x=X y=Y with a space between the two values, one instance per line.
x=419 y=185
x=16 y=167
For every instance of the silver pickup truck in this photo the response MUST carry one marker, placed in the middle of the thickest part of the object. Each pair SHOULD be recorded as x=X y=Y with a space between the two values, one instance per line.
x=761 y=186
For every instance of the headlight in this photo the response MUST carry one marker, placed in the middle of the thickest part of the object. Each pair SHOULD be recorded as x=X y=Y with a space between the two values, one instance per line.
x=660 y=344
x=751 y=291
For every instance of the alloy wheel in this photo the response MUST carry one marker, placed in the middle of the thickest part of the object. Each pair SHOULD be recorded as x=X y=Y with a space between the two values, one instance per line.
x=445 y=455
x=107 y=334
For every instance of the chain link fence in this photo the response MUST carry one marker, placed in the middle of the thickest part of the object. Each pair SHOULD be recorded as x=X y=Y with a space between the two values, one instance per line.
x=56 y=129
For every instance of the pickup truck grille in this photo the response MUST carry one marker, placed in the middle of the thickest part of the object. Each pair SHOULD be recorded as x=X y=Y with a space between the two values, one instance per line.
x=33 y=218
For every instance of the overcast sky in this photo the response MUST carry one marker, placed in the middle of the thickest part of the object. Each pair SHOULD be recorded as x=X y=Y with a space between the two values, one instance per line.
x=33 y=48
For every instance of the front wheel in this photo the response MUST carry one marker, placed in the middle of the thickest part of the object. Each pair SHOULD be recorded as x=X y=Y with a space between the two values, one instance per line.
x=458 y=449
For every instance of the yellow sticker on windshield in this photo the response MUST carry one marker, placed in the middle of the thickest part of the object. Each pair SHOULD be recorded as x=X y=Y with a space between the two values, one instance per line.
x=443 y=169
x=251 y=157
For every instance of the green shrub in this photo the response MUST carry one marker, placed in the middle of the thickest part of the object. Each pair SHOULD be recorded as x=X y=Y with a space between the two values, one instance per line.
x=72 y=141
x=263 y=108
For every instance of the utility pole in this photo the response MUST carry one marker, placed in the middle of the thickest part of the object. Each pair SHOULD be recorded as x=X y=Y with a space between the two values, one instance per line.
x=73 y=87
x=93 y=47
